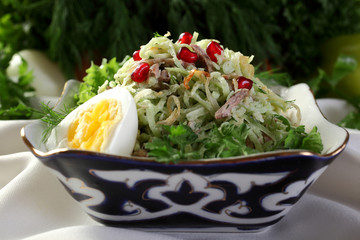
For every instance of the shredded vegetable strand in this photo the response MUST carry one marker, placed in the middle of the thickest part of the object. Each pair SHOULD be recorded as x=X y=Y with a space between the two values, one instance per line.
x=174 y=113
x=209 y=96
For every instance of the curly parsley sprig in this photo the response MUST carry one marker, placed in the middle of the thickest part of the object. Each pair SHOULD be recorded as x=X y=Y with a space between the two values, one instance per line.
x=174 y=146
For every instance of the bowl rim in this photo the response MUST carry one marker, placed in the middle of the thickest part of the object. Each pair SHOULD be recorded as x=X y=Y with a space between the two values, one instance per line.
x=235 y=159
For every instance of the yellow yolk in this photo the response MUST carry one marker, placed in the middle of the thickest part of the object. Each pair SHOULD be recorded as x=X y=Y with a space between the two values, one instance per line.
x=92 y=128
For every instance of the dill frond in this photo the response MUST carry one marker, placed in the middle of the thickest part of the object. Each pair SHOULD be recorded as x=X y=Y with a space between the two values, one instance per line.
x=52 y=118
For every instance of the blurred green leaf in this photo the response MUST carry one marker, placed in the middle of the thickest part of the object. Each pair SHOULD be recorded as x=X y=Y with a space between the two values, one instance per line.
x=343 y=66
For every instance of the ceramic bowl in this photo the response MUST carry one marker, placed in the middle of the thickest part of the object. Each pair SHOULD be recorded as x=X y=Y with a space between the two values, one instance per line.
x=235 y=194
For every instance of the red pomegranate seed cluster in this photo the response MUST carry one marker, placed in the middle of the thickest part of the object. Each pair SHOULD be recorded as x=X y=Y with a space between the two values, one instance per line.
x=140 y=74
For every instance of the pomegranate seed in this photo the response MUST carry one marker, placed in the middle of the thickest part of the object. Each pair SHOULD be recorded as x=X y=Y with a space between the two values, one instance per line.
x=186 y=55
x=212 y=49
x=244 y=82
x=185 y=38
x=140 y=73
x=136 y=55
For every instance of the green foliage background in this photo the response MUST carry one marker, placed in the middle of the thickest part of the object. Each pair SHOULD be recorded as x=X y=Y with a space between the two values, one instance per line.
x=286 y=33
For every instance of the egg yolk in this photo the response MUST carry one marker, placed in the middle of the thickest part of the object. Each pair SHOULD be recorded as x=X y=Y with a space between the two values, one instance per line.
x=92 y=128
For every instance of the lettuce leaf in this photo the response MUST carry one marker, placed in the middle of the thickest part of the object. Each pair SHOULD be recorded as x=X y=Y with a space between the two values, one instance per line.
x=96 y=76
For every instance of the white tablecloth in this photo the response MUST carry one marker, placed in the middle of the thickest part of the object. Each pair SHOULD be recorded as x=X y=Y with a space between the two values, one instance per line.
x=34 y=205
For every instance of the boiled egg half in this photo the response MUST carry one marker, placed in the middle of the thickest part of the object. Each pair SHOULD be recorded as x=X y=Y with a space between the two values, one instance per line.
x=106 y=123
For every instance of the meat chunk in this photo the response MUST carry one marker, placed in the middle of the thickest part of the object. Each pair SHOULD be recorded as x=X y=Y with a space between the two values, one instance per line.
x=164 y=77
x=163 y=81
x=204 y=60
x=155 y=70
x=233 y=101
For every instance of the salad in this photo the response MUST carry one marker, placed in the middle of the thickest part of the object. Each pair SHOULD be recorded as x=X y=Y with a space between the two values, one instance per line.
x=196 y=99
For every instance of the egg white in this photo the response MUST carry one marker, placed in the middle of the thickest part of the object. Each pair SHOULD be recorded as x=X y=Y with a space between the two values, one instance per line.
x=122 y=139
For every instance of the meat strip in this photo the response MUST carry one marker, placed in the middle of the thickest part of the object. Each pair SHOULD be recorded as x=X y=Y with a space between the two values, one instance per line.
x=233 y=101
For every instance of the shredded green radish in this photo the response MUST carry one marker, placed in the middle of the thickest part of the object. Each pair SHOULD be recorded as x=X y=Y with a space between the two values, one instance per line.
x=204 y=98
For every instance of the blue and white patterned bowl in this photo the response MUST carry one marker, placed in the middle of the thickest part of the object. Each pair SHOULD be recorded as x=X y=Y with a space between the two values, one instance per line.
x=236 y=194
